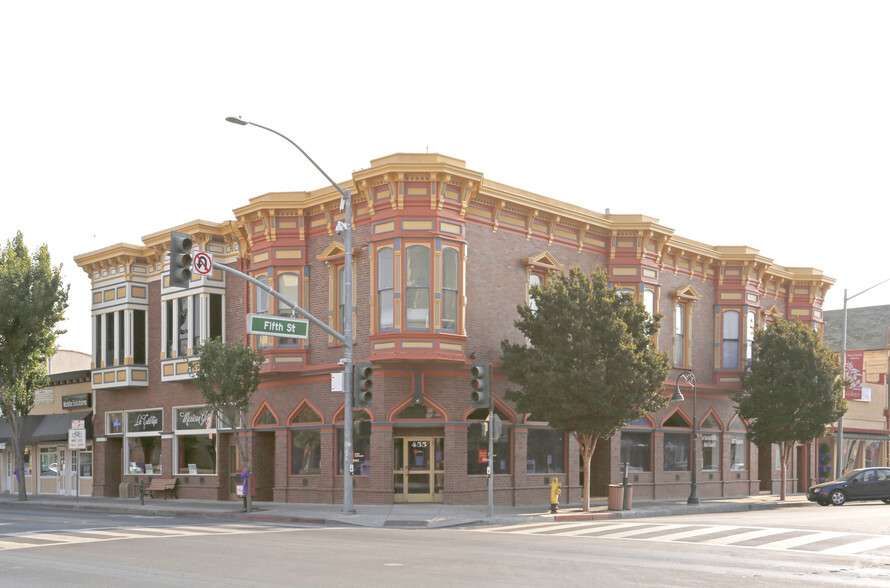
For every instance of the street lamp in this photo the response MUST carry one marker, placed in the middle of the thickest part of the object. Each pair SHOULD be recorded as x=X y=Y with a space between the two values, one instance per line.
x=688 y=379
x=840 y=422
x=346 y=337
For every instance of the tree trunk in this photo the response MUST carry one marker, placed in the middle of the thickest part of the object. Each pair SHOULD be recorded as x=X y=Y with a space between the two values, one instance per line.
x=587 y=445
x=785 y=453
x=17 y=430
x=241 y=438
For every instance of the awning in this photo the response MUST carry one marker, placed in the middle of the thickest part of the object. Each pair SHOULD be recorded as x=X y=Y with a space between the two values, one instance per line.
x=864 y=436
x=31 y=422
x=54 y=427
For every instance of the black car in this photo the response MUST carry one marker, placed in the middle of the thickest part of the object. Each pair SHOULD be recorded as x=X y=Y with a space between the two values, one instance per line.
x=861 y=484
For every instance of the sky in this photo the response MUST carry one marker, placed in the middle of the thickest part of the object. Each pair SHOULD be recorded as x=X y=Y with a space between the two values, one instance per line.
x=754 y=123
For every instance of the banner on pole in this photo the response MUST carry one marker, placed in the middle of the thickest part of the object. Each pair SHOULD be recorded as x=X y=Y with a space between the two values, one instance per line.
x=853 y=372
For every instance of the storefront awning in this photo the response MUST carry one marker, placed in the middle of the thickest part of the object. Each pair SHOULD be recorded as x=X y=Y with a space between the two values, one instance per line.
x=54 y=427
x=31 y=422
x=864 y=436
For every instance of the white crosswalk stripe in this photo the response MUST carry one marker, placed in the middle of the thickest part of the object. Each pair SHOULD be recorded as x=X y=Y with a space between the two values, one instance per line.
x=56 y=537
x=802 y=540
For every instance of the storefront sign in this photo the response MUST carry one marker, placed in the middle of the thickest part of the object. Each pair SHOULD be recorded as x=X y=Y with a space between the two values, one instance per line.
x=144 y=421
x=194 y=418
x=77 y=401
x=853 y=373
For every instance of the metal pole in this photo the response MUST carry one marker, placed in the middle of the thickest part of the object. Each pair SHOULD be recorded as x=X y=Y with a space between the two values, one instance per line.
x=348 y=506
x=490 y=455
x=841 y=461
x=693 y=496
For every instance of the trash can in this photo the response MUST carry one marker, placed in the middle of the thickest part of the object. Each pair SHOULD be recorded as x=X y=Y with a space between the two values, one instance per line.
x=616 y=497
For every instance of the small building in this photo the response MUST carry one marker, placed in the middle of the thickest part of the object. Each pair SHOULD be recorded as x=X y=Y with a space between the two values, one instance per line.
x=442 y=257
x=866 y=426
x=51 y=467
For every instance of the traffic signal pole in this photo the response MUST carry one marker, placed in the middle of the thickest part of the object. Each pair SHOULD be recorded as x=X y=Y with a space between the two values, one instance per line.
x=346 y=337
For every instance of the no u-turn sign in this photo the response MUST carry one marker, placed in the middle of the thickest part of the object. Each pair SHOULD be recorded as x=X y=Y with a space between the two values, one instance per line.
x=202 y=263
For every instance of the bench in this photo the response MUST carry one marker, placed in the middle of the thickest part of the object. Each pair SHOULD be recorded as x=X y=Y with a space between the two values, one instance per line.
x=165 y=485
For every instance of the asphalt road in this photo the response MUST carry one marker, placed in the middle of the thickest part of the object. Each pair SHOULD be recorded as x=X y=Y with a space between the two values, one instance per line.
x=847 y=546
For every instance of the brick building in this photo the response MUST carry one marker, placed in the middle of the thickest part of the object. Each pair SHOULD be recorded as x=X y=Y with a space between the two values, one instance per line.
x=442 y=257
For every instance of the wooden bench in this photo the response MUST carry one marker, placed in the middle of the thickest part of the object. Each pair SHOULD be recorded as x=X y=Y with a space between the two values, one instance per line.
x=165 y=485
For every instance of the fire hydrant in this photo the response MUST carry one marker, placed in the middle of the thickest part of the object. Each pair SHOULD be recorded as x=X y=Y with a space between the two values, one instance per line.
x=555 y=489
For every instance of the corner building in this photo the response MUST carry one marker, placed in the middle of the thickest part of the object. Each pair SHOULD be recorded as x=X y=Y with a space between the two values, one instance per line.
x=442 y=257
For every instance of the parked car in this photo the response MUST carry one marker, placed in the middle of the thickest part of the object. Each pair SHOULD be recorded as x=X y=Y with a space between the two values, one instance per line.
x=861 y=484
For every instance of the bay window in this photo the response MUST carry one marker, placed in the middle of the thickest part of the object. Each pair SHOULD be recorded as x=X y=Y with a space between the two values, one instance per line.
x=417 y=287
x=450 y=287
x=730 y=343
x=385 y=290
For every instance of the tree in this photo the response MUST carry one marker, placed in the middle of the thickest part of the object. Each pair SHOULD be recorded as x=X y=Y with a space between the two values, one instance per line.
x=32 y=302
x=227 y=374
x=590 y=364
x=792 y=390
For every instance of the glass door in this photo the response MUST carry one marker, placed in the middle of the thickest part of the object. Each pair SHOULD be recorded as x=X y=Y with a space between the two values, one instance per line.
x=418 y=469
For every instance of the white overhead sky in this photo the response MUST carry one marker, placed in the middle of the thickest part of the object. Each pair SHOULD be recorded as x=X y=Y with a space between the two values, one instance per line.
x=754 y=123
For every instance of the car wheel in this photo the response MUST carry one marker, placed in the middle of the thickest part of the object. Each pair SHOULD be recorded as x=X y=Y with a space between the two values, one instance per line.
x=838 y=498
x=885 y=500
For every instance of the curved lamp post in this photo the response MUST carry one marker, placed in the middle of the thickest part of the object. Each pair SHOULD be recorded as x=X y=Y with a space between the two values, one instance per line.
x=687 y=379
x=346 y=337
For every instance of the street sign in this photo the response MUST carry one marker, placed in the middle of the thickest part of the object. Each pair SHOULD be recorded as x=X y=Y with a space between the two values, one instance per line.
x=202 y=263
x=277 y=326
x=77 y=439
x=77 y=424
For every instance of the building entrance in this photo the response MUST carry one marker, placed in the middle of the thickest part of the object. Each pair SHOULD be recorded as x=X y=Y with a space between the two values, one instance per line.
x=418 y=469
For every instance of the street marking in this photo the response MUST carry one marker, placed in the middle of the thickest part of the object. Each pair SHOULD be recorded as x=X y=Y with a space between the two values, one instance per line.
x=697 y=534
x=858 y=546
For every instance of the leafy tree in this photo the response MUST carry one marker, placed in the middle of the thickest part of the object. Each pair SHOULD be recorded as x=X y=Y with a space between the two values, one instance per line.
x=590 y=365
x=793 y=389
x=32 y=302
x=227 y=374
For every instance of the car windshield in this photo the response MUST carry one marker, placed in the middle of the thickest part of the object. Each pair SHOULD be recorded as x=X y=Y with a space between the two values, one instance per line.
x=849 y=476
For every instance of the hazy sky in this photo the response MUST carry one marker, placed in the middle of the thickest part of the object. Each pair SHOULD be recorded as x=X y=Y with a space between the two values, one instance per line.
x=764 y=124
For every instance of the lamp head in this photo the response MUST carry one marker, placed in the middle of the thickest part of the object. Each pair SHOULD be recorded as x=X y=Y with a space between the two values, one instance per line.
x=678 y=396
x=237 y=121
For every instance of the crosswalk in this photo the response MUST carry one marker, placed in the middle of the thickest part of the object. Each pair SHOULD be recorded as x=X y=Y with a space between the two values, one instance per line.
x=771 y=538
x=27 y=540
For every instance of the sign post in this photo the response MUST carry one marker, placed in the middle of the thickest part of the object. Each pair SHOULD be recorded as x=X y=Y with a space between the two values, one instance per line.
x=77 y=440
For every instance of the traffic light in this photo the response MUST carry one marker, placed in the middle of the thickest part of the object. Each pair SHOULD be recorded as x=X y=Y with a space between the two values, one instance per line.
x=180 y=259
x=362 y=384
x=480 y=384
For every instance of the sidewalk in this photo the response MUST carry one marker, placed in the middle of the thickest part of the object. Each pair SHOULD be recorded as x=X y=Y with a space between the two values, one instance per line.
x=397 y=515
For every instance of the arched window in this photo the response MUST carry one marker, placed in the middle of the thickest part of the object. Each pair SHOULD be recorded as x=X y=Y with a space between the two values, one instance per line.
x=679 y=334
x=361 y=443
x=385 y=299
x=738 y=445
x=677 y=444
x=636 y=446
x=305 y=442
x=710 y=445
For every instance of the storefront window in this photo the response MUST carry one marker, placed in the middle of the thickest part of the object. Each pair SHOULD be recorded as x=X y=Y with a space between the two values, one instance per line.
x=737 y=452
x=195 y=440
x=49 y=462
x=86 y=463
x=636 y=450
x=477 y=446
x=546 y=452
x=143 y=446
x=676 y=452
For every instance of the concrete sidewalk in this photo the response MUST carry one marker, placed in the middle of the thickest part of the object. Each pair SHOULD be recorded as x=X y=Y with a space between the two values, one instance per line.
x=396 y=515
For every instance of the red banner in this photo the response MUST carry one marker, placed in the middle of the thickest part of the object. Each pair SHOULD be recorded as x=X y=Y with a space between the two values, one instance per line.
x=853 y=372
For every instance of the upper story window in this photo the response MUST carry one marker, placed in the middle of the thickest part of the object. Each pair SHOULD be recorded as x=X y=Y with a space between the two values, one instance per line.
x=679 y=334
x=534 y=281
x=417 y=287
x=750 y=326
x=385 y=290
x=450 y=288
x=730 y=344
x=261 y=306
x=188 y=320
x=289 y=287
x=649 y=301
x=118 y=336
x=684 y=298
